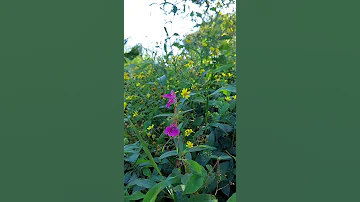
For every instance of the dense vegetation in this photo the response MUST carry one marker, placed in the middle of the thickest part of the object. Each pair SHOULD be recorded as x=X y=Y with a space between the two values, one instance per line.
x=180 y=128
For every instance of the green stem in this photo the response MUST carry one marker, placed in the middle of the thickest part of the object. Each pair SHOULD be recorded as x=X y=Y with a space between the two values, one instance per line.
x=206 y=111
x=145 y=148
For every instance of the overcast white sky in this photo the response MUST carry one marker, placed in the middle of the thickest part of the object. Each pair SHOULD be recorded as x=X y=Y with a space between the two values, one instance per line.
x=145 y=24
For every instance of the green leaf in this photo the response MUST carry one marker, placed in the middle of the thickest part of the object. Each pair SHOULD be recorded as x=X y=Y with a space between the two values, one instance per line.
x=163 y=115
x=232 y=198
x=196 y=168
x=162 y=79
x=134 y=196
x=132 y=158
x=227 y=88
x=194 y=183
x=224 y=108
x=203 y=198
x=199 y=148
x=168 y=154
x=151 y=195
x=222 y=68
x=146 y=183
x=167 y=34
x=146 y=171
x=198 y=121
x=225 y=127
x=199 y=99
x=183 y=112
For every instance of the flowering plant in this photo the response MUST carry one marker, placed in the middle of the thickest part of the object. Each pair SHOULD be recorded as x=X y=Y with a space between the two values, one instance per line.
x=180 y=112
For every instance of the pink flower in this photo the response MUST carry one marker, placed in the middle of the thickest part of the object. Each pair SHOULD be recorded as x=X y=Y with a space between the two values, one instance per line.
x=171 y=97
x=172 y=130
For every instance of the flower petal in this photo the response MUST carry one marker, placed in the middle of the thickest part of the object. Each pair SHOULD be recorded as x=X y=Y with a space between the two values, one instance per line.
x=169 y=96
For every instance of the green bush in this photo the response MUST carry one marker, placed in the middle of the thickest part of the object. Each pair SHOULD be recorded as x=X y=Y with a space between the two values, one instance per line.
x=199 y=162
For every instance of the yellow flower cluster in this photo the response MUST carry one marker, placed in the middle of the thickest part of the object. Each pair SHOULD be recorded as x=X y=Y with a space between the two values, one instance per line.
x=188 y=132
x=189 y=64
x=135 y=114
x=130 y=97
x=151 y=127
x=126 y=76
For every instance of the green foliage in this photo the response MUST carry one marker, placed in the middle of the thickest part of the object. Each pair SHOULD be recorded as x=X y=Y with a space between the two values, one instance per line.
x=200 y=163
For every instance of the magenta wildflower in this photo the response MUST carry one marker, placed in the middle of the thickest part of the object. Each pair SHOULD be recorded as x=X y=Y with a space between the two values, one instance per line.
x=172 y=130
x=171 y=97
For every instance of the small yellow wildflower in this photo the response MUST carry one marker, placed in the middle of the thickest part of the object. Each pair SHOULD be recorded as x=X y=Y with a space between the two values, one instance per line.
x=187 y=40
x=148 y=95
x=224 y=75
x=227 y=98
x=189 y=144
x=148 y=134
x=185 y=93
x=234 y=97
x=189 y=64
x=230 y=74
x=128 y=98
x=138 y=84
x=204 y=44
x=151 y=127
x=188 y=132
x=135 y=114
x=212 y=48
x=126 y=76
x=124 y=105
x=202 y=71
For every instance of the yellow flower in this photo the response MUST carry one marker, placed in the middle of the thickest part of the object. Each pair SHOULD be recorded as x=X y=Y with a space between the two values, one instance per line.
x=135 y=113
x=204 y=43
x=202 y=71
x=185 y=93
x=126 y=76
x=227 y=98
x=138 y=84
x=124 y=105
x=224 y=75
x=189 y=144
x=128 y=98
x=230 y=74
x=151 y=127
x=187 y=40
x=234 y=97
x=148 y=95
x=212 y=49
x=188 y=132
x=148 y=134
x=189 y=64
